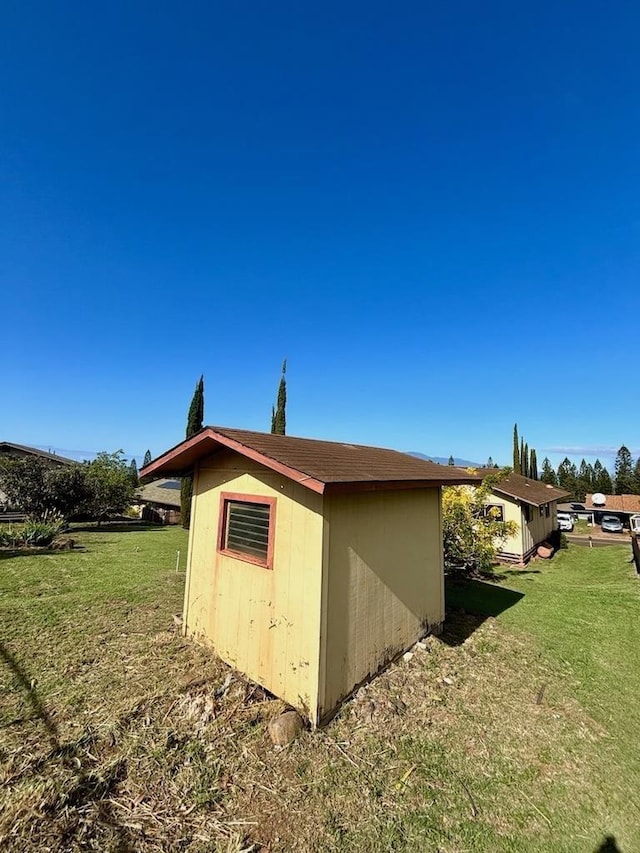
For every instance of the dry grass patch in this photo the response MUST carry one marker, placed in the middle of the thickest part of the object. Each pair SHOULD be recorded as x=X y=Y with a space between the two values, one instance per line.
x=118 y=734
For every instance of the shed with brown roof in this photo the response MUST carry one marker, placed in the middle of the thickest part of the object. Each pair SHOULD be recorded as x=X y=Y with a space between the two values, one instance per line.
x=311 y=563
x=533 y=505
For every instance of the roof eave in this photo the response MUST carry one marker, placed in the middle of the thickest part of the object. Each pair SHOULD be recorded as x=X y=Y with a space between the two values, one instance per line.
x=184 y=456
x=556 y=497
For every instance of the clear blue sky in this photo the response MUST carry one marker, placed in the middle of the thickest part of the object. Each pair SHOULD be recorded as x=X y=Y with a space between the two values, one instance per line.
x=432 y=210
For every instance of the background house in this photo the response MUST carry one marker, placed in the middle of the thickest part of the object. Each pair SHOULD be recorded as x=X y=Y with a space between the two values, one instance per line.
x=622 y=506
x=311 y=563
x=533 y=505
x=159 y=501
x=20 y=451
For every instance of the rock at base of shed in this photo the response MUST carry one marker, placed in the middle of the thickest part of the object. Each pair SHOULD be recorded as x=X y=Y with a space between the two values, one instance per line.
x=545 y=550
x=286 y=727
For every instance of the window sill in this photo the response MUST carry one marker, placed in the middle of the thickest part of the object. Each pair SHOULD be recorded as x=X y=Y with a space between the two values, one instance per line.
x=245 y=558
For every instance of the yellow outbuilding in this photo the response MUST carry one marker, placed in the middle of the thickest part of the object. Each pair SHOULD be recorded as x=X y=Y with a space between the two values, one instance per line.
x=533 y=505
x=311 y=564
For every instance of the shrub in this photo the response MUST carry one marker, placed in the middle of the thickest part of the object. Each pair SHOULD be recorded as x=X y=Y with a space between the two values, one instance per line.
x=472 y=534
x=9 y=536
x=34 y=532
x=42 y=531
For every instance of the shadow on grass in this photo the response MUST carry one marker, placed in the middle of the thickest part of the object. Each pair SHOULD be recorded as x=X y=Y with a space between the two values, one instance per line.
x=609 y=845
x=116 y=527
x=11 y=553
x=469 y=603
x=32 y=695
x=90 y=787
x=515 y=573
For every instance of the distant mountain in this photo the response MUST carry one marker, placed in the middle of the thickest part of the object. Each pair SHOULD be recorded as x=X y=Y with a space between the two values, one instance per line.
x=444 y=460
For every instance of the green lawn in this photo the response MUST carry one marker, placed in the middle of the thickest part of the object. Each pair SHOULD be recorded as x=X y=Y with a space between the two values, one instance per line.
x=515 y=731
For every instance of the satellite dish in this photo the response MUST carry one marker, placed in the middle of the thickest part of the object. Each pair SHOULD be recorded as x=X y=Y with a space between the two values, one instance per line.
x=598 y=499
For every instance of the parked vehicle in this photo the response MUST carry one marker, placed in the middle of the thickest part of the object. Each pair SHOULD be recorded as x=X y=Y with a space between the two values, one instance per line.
x=611 y=524
x=565 y=522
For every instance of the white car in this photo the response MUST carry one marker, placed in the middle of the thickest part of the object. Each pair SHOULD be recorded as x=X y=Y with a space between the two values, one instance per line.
x=565 y=522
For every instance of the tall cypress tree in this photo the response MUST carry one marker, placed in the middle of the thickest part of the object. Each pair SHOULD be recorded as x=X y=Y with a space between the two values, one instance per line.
x=516 y=450
x=524 y=463
x=194 y=424
x=521 y=470
x=133 y=473
x=624 y=472
x=533 y=465
x=147 y=458
x=279 y=414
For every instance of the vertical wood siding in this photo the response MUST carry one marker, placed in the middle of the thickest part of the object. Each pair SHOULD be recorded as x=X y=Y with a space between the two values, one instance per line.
x=383 y=580
x=265 y=623
x=529 y=534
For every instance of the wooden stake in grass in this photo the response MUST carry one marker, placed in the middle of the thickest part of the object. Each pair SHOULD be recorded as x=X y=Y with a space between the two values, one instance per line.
x=177 y=561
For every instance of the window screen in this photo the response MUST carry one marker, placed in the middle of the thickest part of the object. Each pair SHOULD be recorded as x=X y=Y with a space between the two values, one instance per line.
x=247 y=529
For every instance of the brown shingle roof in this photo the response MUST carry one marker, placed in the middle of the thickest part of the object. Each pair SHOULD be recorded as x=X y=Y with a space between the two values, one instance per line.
x=615 y=503
x=522 y=488
x=318 y=465
x=163 y=492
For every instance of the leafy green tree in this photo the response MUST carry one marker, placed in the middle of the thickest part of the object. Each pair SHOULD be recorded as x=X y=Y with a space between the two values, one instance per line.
x=36 y=487
x=133 y=473
x=472 y=532
x=279 y=414
x=71 y=490
x=533 y=465
x=516 y=450
x=624 y=481
x=636 y=477
x=109 y=480
x=24 y=483
x=451 y=461
x=548 y=475
x=147 y=459
x=195 y=420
